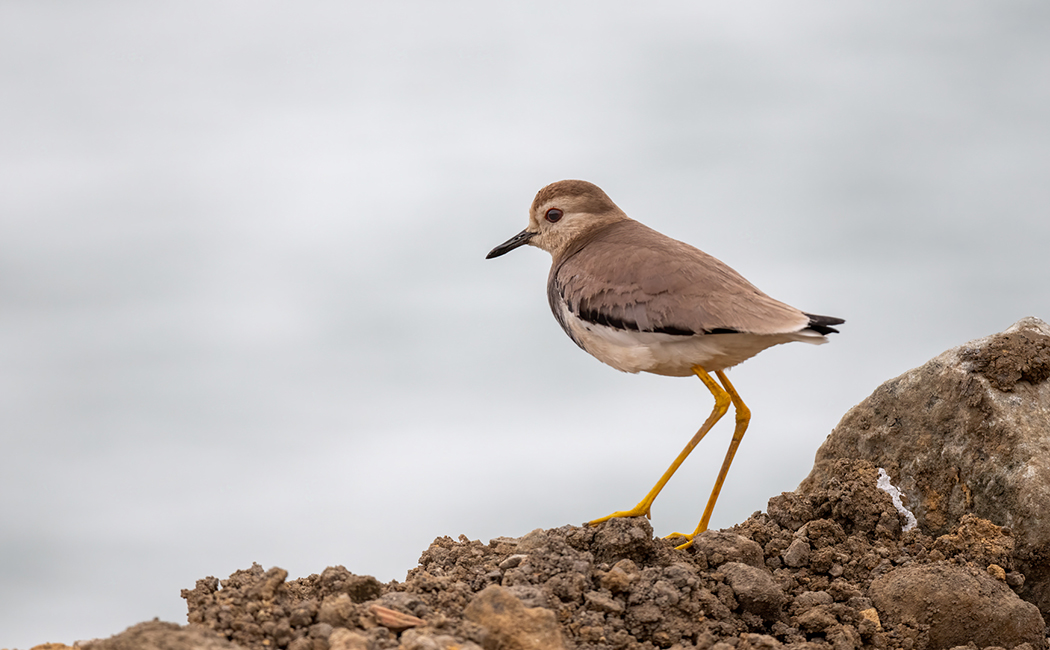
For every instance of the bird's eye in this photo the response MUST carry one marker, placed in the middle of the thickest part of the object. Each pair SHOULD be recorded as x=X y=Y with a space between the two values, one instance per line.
x=553 y=215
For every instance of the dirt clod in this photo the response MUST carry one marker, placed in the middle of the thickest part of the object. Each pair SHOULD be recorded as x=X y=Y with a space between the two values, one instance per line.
x=842 y=579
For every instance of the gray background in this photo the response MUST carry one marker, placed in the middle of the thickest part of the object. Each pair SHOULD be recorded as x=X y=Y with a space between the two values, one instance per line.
x=244 y=310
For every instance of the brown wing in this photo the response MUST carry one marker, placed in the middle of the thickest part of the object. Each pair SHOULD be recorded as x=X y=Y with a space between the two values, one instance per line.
x=629 y=276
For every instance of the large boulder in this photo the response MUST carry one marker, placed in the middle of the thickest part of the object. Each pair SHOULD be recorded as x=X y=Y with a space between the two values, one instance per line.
x=954 y=605
x=968 y=432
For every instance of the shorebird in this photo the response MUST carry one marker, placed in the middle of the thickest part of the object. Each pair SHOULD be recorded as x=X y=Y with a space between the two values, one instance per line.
x=640 y=301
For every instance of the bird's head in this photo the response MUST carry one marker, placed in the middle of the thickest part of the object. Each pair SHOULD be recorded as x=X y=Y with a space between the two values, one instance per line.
x=561 y=214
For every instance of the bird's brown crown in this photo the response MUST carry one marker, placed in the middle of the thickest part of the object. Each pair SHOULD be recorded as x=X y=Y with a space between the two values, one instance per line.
x=584 y=196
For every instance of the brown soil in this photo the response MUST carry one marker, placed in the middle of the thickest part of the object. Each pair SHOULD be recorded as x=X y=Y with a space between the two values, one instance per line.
x=829 y=568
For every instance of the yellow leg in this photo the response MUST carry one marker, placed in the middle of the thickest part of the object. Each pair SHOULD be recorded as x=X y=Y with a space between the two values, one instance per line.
x=743 y=417
x=722 y=400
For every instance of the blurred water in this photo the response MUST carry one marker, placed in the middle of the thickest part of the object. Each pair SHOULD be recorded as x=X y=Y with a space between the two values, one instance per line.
x=244 y=310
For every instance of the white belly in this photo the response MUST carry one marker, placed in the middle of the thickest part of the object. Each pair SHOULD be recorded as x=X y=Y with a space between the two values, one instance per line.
x=671 y=354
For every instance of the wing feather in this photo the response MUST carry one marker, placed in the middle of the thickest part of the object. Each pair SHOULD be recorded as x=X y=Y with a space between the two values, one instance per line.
x=629 y=276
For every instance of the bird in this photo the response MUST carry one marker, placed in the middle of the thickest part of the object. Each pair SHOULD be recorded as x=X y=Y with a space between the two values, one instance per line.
x=640 y=301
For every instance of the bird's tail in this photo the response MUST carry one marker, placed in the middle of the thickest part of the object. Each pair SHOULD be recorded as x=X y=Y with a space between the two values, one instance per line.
x=823 y=324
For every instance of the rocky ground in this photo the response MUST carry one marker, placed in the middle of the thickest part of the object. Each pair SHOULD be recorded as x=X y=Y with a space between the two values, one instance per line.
x=830 y=565
x=829 y=568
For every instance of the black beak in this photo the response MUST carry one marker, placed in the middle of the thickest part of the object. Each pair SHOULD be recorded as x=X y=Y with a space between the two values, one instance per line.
x=519 y=239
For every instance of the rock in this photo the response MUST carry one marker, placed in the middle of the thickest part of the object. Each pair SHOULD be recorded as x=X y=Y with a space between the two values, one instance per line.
x=417 y=640
x=393 y=619
x=158 y=635
x=720 y=547
x=344 y=639
x=959 y=604
x=755 y=589
x=809 y=599
x=512 y=561
x=509 y=625
x=533 y=541
x=337 y=611
x=598 y=601
x=337 y=580
x=797 y=554
x=966 y=433
x=757 y=642
x=620 y=576
x=818 y=619
x=627 y=537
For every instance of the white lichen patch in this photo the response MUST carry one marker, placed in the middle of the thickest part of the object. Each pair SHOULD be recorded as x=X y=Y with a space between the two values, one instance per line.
x=889 y=488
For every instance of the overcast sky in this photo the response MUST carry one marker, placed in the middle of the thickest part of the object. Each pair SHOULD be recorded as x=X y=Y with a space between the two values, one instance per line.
x=245 y=313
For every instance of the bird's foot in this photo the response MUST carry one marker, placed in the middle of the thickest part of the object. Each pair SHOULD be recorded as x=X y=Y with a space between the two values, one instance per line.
x=688 y=540
x=640 y=510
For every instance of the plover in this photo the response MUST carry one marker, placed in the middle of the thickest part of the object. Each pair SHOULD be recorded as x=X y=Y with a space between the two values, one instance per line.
x=640 y=301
